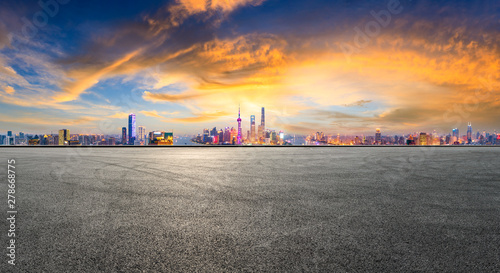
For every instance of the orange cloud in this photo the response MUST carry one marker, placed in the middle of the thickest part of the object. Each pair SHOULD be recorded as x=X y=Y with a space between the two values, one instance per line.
x=120 y=115
x=82 y=79
x=9 y=90
x=202 y=117
x=151 y=114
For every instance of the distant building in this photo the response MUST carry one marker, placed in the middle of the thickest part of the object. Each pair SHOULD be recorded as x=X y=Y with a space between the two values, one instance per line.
x=469 y=133
x=252 y=128
x=124 y=135
x=131 y=129
x=263 y=119
x=64 y=137
x=159 y=138
x=239 y=127
x=10 y=139
x=141 y=135
x=423 y=139
x=378 y=136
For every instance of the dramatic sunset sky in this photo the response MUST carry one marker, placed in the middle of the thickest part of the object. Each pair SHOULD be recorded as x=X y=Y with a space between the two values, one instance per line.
x=332 y=66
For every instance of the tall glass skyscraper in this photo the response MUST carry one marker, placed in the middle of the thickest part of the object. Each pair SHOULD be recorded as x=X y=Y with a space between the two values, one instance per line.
x=131 y=129
x=469 y=133
x=263 y=120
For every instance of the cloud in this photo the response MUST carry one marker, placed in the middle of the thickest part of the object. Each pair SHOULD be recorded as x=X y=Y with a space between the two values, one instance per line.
x=9 y=90
x=84 y=79
x=202 y=117
x=359 y=103
x=155 y=97
x=120 y=115
x=4 y=36
x=151 y=114
x=197 y=6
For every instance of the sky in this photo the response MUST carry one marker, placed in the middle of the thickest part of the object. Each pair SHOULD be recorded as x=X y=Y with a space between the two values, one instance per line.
x=344 y=67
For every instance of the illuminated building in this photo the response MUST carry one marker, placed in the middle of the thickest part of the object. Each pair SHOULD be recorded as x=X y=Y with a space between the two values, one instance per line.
x=423 y=139
x=131 y=129
x=206 y=135
x=252 y=128
x=469 y=133
x=234 y=135
x=263 y=122
x=239 y=127
x=227 y=135
x=141 y=135
x=221 y=137
x=455 y=136
x=159 y=138
x=378 y=136
x=112 y=141
x=34 y=141
x=64 y=137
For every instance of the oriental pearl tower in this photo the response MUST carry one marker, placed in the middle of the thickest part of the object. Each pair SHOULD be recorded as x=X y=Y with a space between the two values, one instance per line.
x=239 y=127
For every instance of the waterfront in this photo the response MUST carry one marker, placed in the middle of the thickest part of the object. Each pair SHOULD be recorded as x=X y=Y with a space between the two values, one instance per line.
x=257 y=209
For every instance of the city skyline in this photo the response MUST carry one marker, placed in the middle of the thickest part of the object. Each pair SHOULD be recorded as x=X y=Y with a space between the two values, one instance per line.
x=316 y=66
x=138 y=136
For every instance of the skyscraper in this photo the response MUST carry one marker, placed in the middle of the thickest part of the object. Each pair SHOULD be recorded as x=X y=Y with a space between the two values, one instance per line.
x=263 y=120
x=141 y=134
x=469 y=133
x=124 y=135
x=252 y=128
x=378 y=136
x=131 y=129
x=239 y=128
x=423 y=139
x=10 y=139
x=64 y=137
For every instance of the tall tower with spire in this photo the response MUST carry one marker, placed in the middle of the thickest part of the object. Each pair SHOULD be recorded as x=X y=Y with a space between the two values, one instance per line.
x=239 y=127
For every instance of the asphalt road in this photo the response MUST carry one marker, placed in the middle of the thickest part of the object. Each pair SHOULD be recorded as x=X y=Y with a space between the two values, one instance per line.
x=254 y=209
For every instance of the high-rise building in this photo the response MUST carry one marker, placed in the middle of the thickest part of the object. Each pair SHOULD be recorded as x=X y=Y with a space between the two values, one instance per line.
x=378 y=136
x=206 y=135
x=239 y=128
x=469 y=133
x=64 y=137
x=423 y=139
x=252 y=128
x=213 y=132
x=141 y=134
x=124 y=135
x=227 y=135
x=263 y=121
x=131 y=129
x=10 y=139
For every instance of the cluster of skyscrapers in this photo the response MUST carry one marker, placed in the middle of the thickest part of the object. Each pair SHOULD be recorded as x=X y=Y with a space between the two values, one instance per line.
x=130 y=135
x=417 y=138
x=256 y=135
